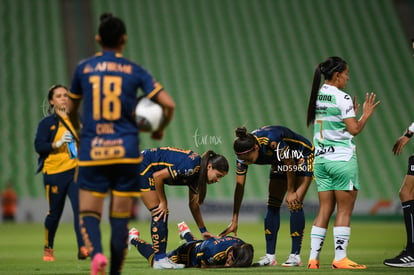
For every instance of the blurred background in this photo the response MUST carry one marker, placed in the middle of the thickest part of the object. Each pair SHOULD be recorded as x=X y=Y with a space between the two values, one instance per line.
x=227 y=63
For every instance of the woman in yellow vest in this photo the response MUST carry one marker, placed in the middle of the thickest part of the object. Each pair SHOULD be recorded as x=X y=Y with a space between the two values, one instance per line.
x=56 y=143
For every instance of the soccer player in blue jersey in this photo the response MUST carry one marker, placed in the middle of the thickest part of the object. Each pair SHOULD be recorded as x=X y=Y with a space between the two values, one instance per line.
x=214 y=252
x=109 y=154
x=290 y=156
x=173 y=166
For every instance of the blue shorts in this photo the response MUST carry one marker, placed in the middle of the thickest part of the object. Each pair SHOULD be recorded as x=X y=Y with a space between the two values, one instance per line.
x=117 y=177
x=147 y=182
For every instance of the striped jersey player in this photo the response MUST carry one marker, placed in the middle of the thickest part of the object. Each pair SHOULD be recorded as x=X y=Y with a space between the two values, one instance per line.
x=331 y=139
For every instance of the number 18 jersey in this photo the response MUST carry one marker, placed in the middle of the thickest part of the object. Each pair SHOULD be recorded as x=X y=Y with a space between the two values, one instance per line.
x=331 y=139
x=108 y=85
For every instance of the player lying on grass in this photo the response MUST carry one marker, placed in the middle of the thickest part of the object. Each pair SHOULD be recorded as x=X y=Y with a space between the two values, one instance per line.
x=226 y=251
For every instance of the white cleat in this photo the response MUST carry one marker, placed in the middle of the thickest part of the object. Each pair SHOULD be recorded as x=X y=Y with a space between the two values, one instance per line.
x=293 y=260
x=267 y=260
x=166 y=263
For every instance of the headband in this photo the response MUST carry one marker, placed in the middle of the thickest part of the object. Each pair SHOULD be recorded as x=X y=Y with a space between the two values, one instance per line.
x=244 y=152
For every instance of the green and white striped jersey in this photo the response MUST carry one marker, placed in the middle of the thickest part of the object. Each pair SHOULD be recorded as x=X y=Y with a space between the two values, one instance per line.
x=331 y=139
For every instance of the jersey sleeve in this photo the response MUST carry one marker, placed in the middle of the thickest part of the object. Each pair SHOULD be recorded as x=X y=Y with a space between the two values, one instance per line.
x=154 y=89
x=42 y=142
x=184 y=173
x=150 y=85
x=346 y=106
x=75 y=91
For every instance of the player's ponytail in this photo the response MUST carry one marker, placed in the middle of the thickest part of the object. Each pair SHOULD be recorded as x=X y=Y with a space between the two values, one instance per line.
x=327 y=69
x=314 y=94
x=244 y=142
x=217 y=162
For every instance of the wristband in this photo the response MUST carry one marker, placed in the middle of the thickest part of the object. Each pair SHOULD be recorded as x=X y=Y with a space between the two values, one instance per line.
x=203 y=229
x=408 y=133
x=411 y=127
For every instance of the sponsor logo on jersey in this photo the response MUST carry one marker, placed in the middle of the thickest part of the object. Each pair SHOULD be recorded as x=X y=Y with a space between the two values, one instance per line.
x=108 y=67
x=325 y=97
x=349 y=109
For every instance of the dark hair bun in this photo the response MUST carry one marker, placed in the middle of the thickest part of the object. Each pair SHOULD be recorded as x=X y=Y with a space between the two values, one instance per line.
x=241 y=132
x=210 y=154
x=105 y=16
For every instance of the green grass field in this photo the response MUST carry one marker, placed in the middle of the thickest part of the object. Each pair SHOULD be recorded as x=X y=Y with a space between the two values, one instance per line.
x=371 y=242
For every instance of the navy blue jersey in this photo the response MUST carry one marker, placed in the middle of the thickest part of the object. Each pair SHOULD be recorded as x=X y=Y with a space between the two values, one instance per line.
x=183 y=166
x=213 y=251
x=108 y=84
x=277 y=143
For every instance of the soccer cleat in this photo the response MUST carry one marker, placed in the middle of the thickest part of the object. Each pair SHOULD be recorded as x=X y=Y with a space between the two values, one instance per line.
x=98 y=265
x=166 y=263
x=346 y=263
x=404 y=259
x=183 y=229
x=313 y=264
x=293 y=260
x=267 y=260
x=132 y=234
x=83 y=253
x=48 y=255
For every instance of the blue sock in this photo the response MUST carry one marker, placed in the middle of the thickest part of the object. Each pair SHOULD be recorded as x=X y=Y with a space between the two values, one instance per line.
x=159 y=236
x=271 y=224
x=119 y=238
x=91 y=232
x=189 y=237
x=144 y=248
x=297 y=227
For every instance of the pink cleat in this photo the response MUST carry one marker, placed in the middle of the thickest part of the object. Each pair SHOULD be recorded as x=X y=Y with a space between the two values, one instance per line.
x=98 y=265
